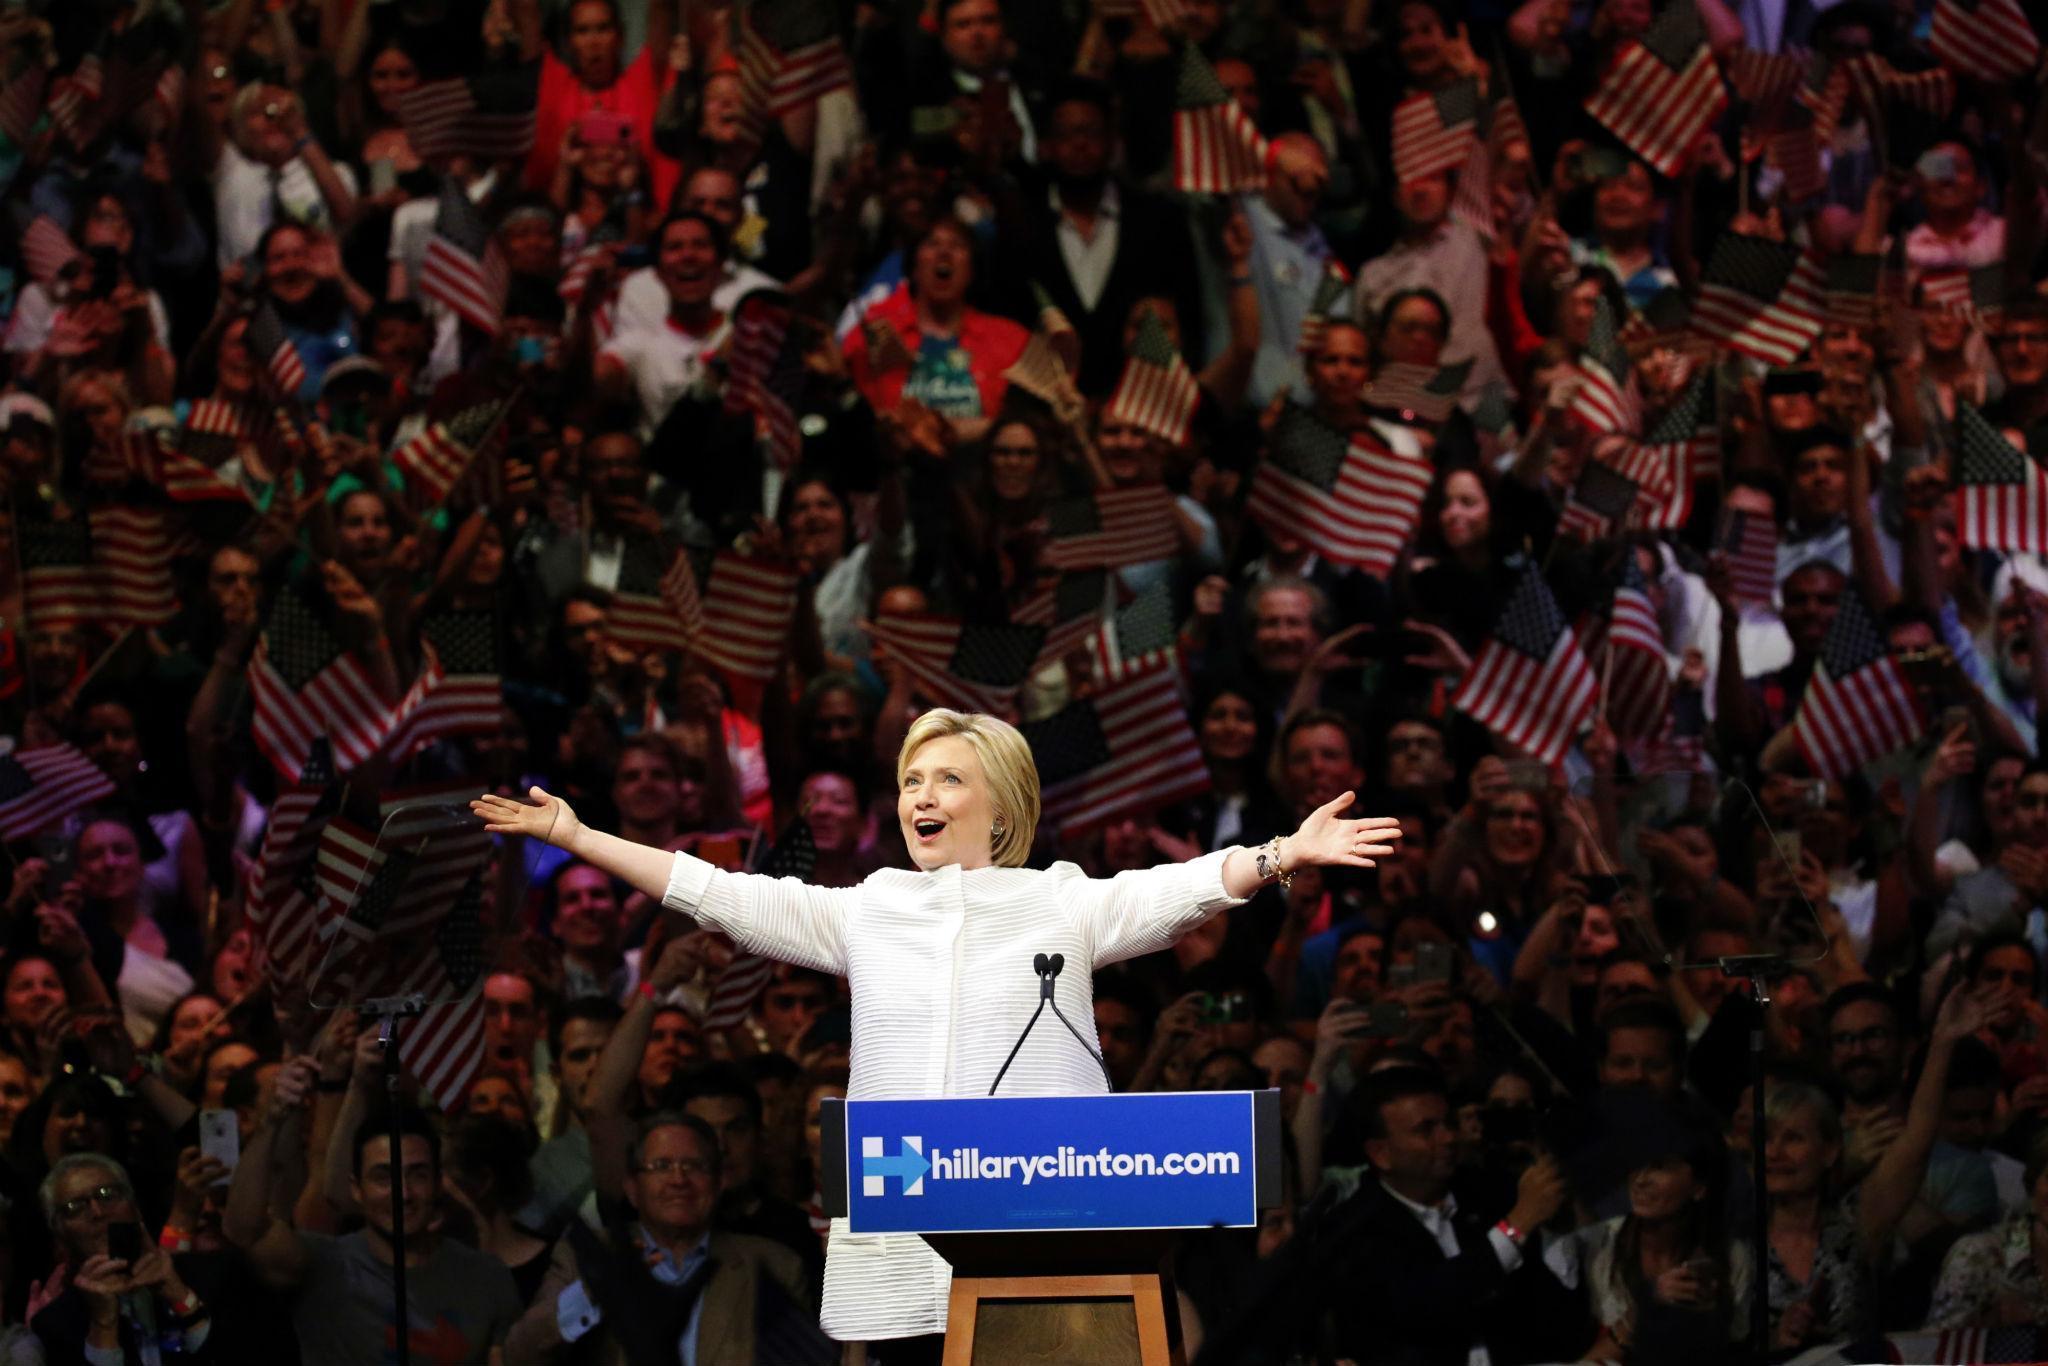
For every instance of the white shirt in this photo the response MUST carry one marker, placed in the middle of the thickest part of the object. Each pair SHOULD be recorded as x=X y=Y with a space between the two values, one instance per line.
x=1089 y=258
x=1437 y=1220
x=665 y=363
x=242 y=199
x=35 y=312
x=643 y=298
x=940 y=967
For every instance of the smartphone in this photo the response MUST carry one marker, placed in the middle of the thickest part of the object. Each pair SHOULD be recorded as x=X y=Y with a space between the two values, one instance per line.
x=1401 y=974
x=383 y=175
x=1937 y=165
x=124 y=1241
x=1526 y=775
x=1226 y=1008
x=57 y=852
x=602 y=128
x=1434 y=961
x=106 y=271
x=220 y=1138
x=1953 y=718
x=1383 y=1019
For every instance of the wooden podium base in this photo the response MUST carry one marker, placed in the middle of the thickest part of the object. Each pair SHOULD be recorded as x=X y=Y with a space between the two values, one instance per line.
x=1061 y=1299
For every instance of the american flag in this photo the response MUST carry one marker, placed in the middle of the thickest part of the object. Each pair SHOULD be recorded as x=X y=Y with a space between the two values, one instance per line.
x=215 y=428
x=1140 y=635
x=1978 y=294
x=1858 y=704
x=748 y=606
x=740 y=983
x=1794 y=151
x=446 y=843
x=1767 y=80
x=2001 y=493
x=1680 y=745
x=185 y=479
x=1606 y=400
x=1111 y=529
x=1417 y=392
x=1826 y=94
x=274 y=348
x=655 y=607
x=40 y=787
x=1677 y=449
x=789 y=55
x=1331 y=303
x=489 y=116
x=1850 y=288
x=964 y=665
x=1435 y=132
x=444 y=1047
x=765 y=372
x=132 y=553
x=306 y=685
x=1990 y=40
x=1157 y=393
x=436 y=459
x=463 y=268
x=1355 y=500
x=21 y=101
x=1600 y=502
x=1749 y=542
x=1761 y=298
x=1472 y=196
x=1216 y=147
x=1902 y=106
x=1633 y=664
x=1127 y=748
x=47 y=250
x=1531 y=684
x=282 y=897
x=1070 y=608
x=70 y=94
x=1663 y=90
x=59 y=586
x=469 y=692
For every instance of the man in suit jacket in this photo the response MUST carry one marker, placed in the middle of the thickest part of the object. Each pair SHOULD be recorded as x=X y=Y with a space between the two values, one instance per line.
x=1424 y=1282
x=663 y=1287
x=1095 y=245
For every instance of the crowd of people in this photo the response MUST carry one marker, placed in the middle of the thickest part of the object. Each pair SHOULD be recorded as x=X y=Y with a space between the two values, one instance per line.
x=666 y=403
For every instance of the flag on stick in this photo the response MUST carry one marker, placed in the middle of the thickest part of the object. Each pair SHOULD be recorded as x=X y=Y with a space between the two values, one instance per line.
x=1216 y=147
x=489 y=116
x=1762 y=298
x=1858 y=704
x=2001 y=493
x=43 y=786
x=1662 y=91
x=1989 y=40
x=1436 y=132
x=747 y=611
x=1355 y=500
x=463 y=269
x=1157 y=393
x=1112 y=529
x=966 y=666
x=1129 y=747
x=1530 y=684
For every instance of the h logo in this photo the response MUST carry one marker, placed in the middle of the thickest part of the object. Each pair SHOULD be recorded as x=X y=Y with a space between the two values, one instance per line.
x=908 y=1164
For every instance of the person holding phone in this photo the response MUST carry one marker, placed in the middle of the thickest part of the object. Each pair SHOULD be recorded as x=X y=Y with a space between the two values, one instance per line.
x=1665 y=1281
x=123 y=1295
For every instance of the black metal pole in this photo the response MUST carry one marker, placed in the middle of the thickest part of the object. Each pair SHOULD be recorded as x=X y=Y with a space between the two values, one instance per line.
x=1760 y=1280
x=397 y=1162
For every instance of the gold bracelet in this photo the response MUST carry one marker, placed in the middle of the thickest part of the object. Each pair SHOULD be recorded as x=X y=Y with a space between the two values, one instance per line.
x=1268 y=855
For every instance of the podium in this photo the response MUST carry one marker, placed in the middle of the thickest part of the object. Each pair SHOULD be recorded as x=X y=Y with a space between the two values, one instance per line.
x=1057 y=1213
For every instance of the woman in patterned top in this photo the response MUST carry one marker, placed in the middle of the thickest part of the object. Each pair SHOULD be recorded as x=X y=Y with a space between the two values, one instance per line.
x=1999 y=1277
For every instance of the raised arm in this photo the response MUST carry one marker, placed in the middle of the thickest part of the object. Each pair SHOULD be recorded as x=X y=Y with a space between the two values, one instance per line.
x=780 y=918
x=1146 y=909
x=274 y=1250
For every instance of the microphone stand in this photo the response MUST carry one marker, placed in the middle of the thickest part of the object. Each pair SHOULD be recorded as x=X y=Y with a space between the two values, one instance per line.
x=389 y=1010
x=1048 y=969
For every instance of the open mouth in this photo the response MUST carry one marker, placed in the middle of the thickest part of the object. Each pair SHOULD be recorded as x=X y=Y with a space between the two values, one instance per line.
x=928 y=829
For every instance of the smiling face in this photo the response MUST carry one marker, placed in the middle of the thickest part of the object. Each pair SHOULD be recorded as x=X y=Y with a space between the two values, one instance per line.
x=1797 y=1153
x=688 y=262
x=1013 y=462
x=1230 y=728
x=1467 y=516
x=109 y=861
x=1664 y=1190
x=1514 y=830
x=944 y=806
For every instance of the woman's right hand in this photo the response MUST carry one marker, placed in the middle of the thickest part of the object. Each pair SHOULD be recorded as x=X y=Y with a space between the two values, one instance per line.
x=547 y=818
x=1680 y=1287
x=28 y=883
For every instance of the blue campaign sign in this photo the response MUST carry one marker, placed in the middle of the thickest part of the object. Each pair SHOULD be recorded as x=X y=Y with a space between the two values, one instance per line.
x=1052 y=1163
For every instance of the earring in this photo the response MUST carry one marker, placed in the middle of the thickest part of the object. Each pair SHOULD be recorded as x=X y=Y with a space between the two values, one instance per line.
x=996 y=830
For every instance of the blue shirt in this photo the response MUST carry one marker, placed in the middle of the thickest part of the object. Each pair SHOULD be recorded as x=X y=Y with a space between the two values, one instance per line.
x=575 y=1315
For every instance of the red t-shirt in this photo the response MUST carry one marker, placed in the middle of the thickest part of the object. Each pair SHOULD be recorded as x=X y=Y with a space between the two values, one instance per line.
x=633 y=97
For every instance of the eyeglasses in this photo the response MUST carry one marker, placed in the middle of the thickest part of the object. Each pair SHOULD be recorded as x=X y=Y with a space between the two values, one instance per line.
x=111 y=1194
x=1509 y=813
x=1861 y=1038
x=675 y=1166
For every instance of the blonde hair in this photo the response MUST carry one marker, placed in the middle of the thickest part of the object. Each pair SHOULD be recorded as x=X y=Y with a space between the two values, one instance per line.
x=1006 y=759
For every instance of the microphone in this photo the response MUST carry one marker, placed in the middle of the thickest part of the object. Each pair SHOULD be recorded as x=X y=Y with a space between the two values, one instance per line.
x=1048 y=968
x=1055 y=963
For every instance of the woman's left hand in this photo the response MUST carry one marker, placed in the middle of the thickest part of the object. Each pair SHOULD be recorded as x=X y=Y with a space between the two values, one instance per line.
x=1326 y=837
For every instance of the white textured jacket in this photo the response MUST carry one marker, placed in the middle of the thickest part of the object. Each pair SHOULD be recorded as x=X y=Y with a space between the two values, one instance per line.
x=940 y=965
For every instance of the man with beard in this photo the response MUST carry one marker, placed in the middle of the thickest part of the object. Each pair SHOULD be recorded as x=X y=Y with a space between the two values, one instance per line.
x=2021 y=347
x=1753 y=709
x=1867 y=1062
x=624 y=523
x=1095 y=244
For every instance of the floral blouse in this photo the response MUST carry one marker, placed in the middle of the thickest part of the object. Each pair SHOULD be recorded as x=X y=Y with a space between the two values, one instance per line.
x=1840 y=1285
x=1986 y=1270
